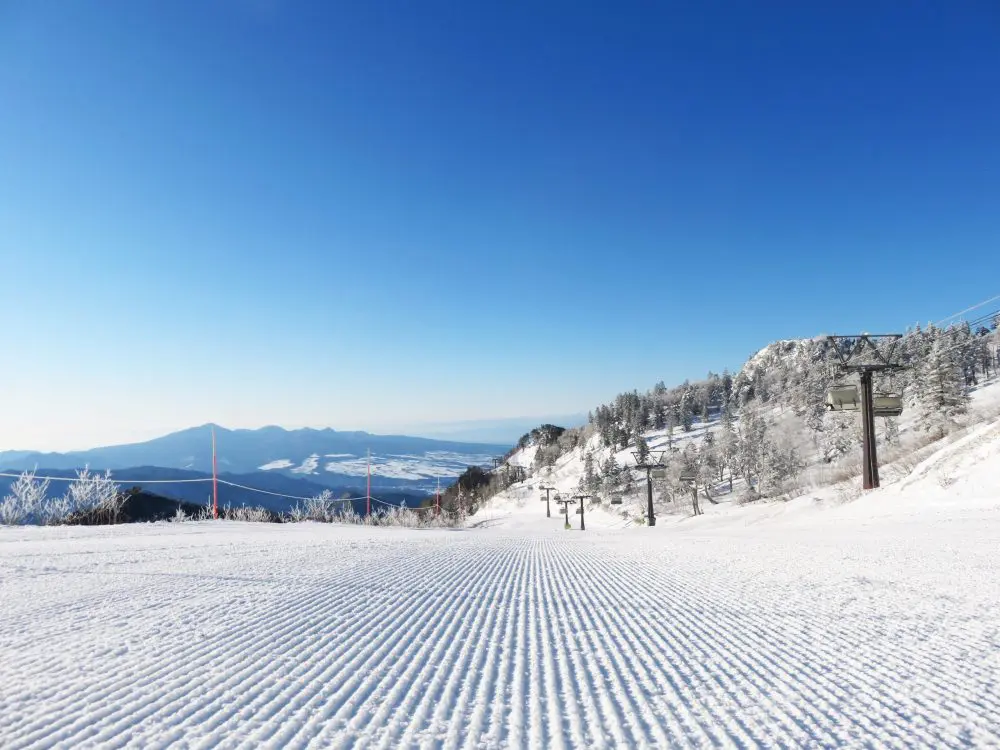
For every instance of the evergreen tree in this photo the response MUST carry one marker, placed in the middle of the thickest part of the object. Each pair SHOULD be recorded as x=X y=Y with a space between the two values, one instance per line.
x=726 y=444
x=641 y=449
x=838 y=435
x=709 y=460
x=687 y=411
x=941 y=394
x=610 y=479
x=727 y=387
x=751 y=446
x=589 y=482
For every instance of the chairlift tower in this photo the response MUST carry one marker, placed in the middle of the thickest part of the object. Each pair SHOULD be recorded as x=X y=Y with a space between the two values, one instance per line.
x=845 y=397
x=565 y=502
x=581 y=498
x=548 y=507
x=656 y=469
x=690 y=477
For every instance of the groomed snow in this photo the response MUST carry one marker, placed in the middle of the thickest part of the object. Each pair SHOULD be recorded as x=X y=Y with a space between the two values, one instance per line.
x=843 y=627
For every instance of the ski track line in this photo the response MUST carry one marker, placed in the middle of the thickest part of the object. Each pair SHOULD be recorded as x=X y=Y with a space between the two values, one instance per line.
x=477 y=723
x=356 y=675
x=805 y=655
x=767 y=674
x=351 y=638
x=594 y=621
x=567 y=720
x=200 y=657
x=433 y=626
x=596 y=696
x=479 y=664
x=517 y=677
x=599 y=581
x=434 y=680
x=685 y=626
x=236 y=653
x=482 y=639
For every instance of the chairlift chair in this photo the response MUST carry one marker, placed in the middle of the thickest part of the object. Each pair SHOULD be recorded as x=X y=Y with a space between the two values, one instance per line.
x=616 y=499
x=689 y=476
x=659 y=473
x=843 y=397
x=887 y=404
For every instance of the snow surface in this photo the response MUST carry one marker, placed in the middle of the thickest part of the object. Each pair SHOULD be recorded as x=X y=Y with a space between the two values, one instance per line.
x=308 y=466
x=281 y=463
x=869 y=623
x=429 y=467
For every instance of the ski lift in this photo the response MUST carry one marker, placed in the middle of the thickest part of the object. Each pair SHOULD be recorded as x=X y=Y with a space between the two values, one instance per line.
x=579 y=511
x=843 y=397
x=616 y=499
x=659 y=473
x=689 y=475
x=887 y=404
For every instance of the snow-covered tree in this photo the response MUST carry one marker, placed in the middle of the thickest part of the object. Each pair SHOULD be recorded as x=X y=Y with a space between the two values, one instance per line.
x=610 y=477
x=940 y=387
x=26 y=500
x=687 y=410
x=641 y=449
x=589 y=482
x=94 y=493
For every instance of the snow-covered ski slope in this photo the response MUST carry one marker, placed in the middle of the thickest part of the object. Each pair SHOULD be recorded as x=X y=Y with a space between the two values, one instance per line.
x=872 y=624
x=568 y=472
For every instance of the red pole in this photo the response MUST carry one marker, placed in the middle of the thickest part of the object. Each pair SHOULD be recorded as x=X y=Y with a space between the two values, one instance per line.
x=368 y=492
x=215 y=480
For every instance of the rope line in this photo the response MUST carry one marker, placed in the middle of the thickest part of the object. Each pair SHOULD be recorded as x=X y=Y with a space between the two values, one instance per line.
x=400 y=507
x=281 y=494
x=121 y=481
x=341 y=500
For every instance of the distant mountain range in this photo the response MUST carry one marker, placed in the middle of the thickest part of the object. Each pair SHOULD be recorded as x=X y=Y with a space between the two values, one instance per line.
x=327 y=458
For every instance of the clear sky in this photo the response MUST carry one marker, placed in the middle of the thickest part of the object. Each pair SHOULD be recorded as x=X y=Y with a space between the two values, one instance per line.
x=374 y=214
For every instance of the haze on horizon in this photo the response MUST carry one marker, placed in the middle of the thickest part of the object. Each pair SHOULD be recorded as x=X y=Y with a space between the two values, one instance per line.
x=316 y=214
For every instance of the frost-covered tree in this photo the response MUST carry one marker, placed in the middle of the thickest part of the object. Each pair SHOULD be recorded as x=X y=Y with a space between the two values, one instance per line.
x=839 y=434
x=641 y=449
x=610 y=476
x=750 y=445
x=708 y=461
x=26 y=500
x=687 y=410
x=780 y=464
x=941 y=393
x=589 y=482
x=94 y=493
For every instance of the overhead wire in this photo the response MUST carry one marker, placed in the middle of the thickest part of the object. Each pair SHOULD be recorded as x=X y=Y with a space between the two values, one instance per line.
x=280 y=494
x=969 y=309
x=129 y=481
x=121 y=481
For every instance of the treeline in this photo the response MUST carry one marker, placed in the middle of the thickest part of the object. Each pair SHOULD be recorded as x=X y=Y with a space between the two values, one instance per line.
x=772 y=415
x=772 y=418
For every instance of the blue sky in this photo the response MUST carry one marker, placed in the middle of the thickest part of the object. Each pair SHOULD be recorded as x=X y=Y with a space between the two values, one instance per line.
x=374 y=215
